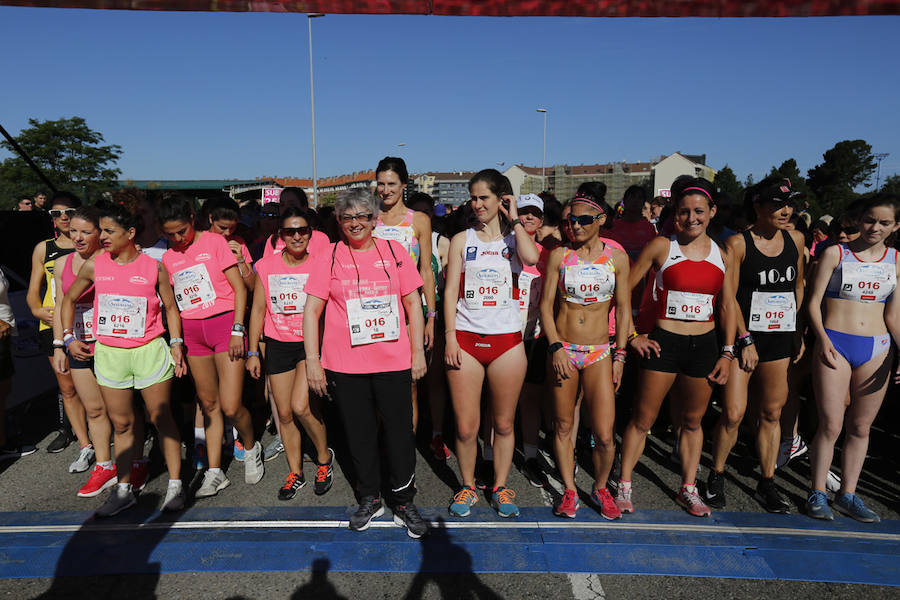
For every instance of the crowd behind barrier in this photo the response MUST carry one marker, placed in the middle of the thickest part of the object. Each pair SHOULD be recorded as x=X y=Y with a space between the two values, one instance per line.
x=558 y=317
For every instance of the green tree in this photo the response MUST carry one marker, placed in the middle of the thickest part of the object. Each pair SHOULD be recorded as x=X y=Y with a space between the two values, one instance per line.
x=848 y=165
x=727 y=183
x=891 y=185
x=70 y=154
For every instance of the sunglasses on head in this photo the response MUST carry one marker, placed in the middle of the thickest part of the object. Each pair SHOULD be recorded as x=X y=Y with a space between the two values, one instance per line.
x=57 y=213
x=290 y=232
x=583 y=220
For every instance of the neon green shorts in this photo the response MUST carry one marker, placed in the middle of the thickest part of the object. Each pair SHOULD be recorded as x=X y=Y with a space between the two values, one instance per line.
x=138 y=368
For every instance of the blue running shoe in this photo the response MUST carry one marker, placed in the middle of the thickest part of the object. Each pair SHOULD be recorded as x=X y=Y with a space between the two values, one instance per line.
x=201 y=461
x=239 y=451
x=502 y=501
x=463 y=501
x=854 y=507
x=817 y=506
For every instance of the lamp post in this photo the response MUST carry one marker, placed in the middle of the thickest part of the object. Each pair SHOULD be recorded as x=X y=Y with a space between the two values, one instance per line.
x=312 y=106
x=879 y=157
x=544 y=152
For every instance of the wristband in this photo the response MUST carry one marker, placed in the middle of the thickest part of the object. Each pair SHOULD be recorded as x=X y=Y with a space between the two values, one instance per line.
x=446 y=331
x=59 y=344
x=729 y=349
x=619 y=358
x=514 y=222
x=745 y=340
x=251 y=354
x=176 y=340
x=554 y=347
x=65 y=331
x=726 y=355
x=743 y=335
x=431 y=314
x=235 y=332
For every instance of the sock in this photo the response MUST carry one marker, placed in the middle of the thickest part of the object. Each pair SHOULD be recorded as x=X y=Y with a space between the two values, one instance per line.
x=488 y=452
x=175 y=483
x=530 y=450
x=215 y=470
x=625 y=484
x=689 y=487
x=106 y=464
x=199 y=435
x=124 y=487
x=86 y=446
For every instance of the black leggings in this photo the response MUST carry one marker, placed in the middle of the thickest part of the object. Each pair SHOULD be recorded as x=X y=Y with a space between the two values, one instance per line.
x=359 y=397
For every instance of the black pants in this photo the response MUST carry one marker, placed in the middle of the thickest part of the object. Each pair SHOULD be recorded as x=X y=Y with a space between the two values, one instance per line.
x=359 y=398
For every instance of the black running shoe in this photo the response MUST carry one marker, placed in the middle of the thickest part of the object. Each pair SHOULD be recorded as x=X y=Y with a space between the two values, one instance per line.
x=324 y=475
x=484 y=474
x=772 y=500
x=714 y=496
x=11 y=452
x=531 y=469
x=408 y=516
x=61 y=442
x=370 y=508
x=292 y=484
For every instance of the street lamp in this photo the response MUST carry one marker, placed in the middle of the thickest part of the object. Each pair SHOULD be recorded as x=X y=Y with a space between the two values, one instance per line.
x=312 y=106
x=879 y=157
x=544 y=152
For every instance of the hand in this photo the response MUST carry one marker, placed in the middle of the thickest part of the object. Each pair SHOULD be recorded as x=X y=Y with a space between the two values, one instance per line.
x=235 y=249
x=253 y=366
x=418 y=365
x=5 y=329
x=236 y=347
x=45 y=314
x=315 y=376
x=562 y=364
x=452 y=353
x=178 y=356
x=897 y=375
x=800 y=351
x=720 y=372
x=828 y=355
x=429 y=334
x=748 y=358
x=60 y=361
x=618 y=369
x=79 y=350
x=508 y=207
x=643 y=345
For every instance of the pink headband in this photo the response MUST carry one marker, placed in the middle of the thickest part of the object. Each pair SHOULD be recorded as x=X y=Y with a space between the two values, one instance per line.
x=701 y=190
x=590 y=202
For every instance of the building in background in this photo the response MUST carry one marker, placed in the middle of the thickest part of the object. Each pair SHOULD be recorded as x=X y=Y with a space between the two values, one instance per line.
x=450 y=188
x=667 y=169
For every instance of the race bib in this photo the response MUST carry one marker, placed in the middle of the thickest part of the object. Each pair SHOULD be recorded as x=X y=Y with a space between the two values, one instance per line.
x=773 y=311
x=489 y=287
x=867 y=282
x=375 y=317
x=286 y=293
x=689 y=306
x=193 y=288
x=587 y=284
x=404 y=235
x=121 y=316
x=84 y=322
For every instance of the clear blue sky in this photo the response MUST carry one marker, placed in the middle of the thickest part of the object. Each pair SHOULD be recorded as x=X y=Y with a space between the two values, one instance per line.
x=226 y=95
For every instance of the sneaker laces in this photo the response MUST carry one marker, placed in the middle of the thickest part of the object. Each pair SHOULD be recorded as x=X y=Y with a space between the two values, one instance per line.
x=505 y=496
x=568 y=500
x=691 y=497
x=290 y=480
x=465 y=496
x=322 y=472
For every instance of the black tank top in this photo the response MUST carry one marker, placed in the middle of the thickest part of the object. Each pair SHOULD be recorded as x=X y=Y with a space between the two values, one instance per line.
x=53 y=251
x=761 y=273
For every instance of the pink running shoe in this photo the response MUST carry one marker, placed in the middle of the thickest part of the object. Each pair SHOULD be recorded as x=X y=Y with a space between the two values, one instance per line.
x=623 y=498
x=439 y=448
x=568 y=505
x=691 y=502
x=608 y=507
x=100 y=479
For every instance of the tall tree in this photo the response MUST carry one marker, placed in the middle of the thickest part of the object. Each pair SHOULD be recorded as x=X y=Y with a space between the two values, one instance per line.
x=848 y=165
x=891 y=185
x=727 y=183
x=70 y=154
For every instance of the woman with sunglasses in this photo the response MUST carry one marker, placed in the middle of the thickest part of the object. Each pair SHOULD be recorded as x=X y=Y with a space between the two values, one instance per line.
x=683 y=350
x=484 y=333
x=211 y=298
x=294 y=197
x=84 y=229
x=43 y=258
x=768 y=274
x=582 y=279
x=369 y=288
x=278 y=303
x=130 y=352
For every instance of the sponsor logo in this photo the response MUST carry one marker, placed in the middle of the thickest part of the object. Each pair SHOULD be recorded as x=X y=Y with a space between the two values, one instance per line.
x=488 y=275
x=121 y=304
x=471 y=253
x=480 y=345
x=138 y=280
x=204 y=256
x=380 y=264
x=507 y=252
x=777 y=300
x=104 y=278
x=490 y=253
x=374 y=304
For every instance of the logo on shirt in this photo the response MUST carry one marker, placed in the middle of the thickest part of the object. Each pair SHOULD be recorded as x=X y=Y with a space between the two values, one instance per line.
x=507 y=252
x=203 y=256
x=138 y=280
x=676 y=257
x=104 y=278
x=471 y=252
x=380 y=264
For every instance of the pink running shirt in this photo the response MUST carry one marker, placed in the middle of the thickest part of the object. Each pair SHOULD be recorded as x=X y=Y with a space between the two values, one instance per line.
x=285 y=296
x=318 y=243
x=126 y=307
x=198 y=276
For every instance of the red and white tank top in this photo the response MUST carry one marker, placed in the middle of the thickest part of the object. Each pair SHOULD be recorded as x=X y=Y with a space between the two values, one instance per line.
x=488 y=294
x=84 y=306
x=686 y=290
x=126 y=307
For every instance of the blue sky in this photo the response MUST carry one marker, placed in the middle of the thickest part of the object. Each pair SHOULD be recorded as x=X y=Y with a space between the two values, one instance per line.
x=226 y=95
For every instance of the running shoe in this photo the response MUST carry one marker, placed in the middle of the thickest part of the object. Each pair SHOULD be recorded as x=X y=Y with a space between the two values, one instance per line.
x=253 y=464
x=100 y=479
x=690 y=500
x=771 y=498
x=292 y=484
x=370 y=508
x=623 y=497
x=790 y=449
x=10 y=452
x=832 y=482
x=84 y=460
x=568 y=505
x=439 y=448
x=139 y=470
x=715 y=490
x=408 y=516
x=60 y=442
x=484 y=474
x=201 y=459
x=274 y=449
x=502 y=502
x=853 y=506
x=120 y=498
x=239 y=451
x=463 y=501
x=532 y=471
x=213 y=483
x=324 y=475
x=817 y=506
x=175 y=497
x=609 y=509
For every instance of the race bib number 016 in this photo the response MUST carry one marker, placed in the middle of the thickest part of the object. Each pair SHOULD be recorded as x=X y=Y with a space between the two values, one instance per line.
x=773 y=311
x=867 y=282
x=488 y=287
x=374 y=317
x=121 y=316
x=193 y=288
x=84 y=322
x=689 y=306
x=588 y=284
x=286 y=293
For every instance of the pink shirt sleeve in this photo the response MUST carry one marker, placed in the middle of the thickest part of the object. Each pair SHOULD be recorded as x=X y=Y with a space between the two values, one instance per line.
x=319 y=283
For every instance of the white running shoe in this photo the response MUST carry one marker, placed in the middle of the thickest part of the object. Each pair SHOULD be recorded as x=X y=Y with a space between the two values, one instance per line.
x=833 y=482
x=253 y=464
x=174 y=496
x=84 y=460
x=213 y=483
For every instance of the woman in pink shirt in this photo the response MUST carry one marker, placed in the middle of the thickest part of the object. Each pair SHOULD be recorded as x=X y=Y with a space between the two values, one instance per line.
x=278 y=304
x=369 y=356
x=224 y=215
x=212 y=299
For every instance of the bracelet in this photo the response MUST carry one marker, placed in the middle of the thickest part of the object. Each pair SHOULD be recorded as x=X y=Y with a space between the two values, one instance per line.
x=431 y=314
x=744 y=335
x=633 y=335
x=621 y=352
x=554 y=347
x=726 y=355
x=251 y=354
x=65 y=331
x=235 y=332
x=514 y=222
x=176 y=340
x=619 y=358
x=59 y=344
x=729 y=349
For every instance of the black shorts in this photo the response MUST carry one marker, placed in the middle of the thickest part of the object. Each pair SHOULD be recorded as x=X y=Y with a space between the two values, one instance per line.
x=45 y=337
x=282 y=357
x=536 y=352
x=692 y=355
x=773 y=346
x=7 y=368
x=74 y=363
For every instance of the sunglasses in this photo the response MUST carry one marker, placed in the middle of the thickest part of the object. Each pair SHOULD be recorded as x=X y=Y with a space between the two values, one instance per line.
x=290 y=232
x=57 y=213
x=584 y=220
x=364 y=217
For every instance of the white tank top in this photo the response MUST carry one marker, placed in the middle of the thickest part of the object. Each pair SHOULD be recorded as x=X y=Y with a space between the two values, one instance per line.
x=488 y=298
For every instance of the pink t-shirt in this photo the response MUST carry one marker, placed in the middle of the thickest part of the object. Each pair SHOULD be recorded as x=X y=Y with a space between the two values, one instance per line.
x=198 y=276
x=381 y=272
x=126 y=307
x=632 y=235
x=318 y=243
x=285 y=296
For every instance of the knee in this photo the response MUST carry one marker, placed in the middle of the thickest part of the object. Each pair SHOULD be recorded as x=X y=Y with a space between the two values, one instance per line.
x=858 y=430
x=67 y=390
x=690 y=423
x=285 y=417
x=504 y=428
x=770 y=416
x=466 y=432
x=732 y=417
x=564 y=428
x=830 y=430
x=604 y=442
x=643 y=423
x=122 y=425
x=95 y=412
x=208 y=404
x=233 y=412
x=304 y=413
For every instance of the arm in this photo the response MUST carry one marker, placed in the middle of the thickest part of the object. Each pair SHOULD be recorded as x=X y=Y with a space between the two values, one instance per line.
x=799 y=295
x=33 y=297
x=85 y=278
x=525 y=246
x=727 y=324
x=892 y=320
x=652 y=254
x=826 y=263
x=257 y=315
x=423 y=226
x=236 y=345
x=412 y=303
x=562 y=365
x=244 y=269
x=443 y=251
x=315 y=375
x=735 y=252
x=173 y=317
x=623 y=314
x=60 y=361
x=452 y=353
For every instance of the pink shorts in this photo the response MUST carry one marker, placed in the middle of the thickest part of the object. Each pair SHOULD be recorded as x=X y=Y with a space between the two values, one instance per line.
x=203 y=337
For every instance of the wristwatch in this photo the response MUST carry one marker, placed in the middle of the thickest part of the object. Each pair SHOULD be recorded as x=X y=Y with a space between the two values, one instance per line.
x=554 y=347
